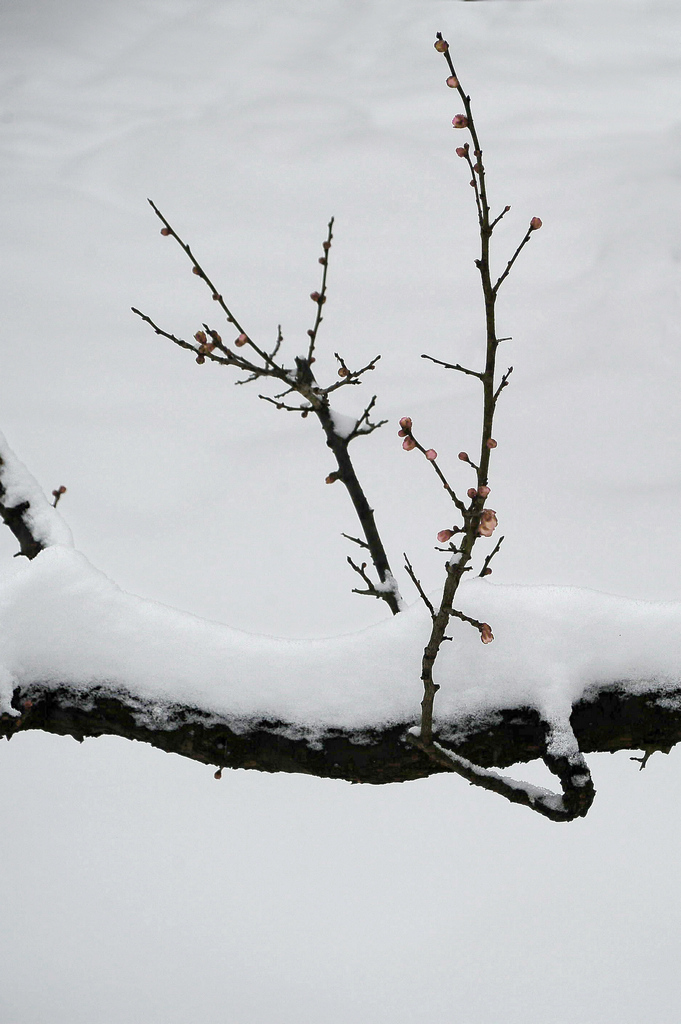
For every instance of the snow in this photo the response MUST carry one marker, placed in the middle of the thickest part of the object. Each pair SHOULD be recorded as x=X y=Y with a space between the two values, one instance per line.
x=46 y=523
x=63 y=621
x=250 y=125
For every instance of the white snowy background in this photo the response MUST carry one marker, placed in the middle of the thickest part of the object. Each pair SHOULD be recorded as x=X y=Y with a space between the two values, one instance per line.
x=135 y=888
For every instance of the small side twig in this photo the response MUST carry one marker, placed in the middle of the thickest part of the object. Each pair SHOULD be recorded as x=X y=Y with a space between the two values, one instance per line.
x=417 y=583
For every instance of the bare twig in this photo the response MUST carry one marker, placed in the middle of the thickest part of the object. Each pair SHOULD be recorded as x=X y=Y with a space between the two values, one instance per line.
x=455 y=366
x=417 y=583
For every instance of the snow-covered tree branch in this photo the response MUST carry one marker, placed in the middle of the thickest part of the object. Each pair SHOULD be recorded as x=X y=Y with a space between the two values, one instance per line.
x=559 y=673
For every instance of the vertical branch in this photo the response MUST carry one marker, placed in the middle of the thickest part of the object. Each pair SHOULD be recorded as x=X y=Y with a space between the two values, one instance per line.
x=477 y=521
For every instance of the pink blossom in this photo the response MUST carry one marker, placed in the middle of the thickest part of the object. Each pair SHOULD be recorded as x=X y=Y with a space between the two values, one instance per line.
x=431 y=454
x=488 y=523
x=409 y=444
x=461 y=151
x=452 y=82
x=460 y=121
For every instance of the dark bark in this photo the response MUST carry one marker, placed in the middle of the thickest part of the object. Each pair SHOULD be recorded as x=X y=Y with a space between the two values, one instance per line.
x=608 y=719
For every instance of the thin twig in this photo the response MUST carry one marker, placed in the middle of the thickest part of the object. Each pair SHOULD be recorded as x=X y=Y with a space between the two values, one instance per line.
x=417 y=584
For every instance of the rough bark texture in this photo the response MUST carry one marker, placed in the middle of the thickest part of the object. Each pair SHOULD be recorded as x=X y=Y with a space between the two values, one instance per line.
x=608 y=719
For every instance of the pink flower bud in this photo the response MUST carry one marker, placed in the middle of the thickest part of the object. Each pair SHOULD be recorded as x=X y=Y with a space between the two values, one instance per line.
x=486 y=572
x=241 y=340
x=405 y=423
x=165 y=231
x=488 y=523
x=490 y=442
x=535 y=224
x=201 y=337
x=460 y=121
x=471 y=492
x=486 y=634
x=444 y=535
x=431 y=455
x=483 y=491
x=326 y=246
x=452 y=82
x=464 y=456
x=460 y=151
x=409 y=444
x=315 y=296
x=441 y=45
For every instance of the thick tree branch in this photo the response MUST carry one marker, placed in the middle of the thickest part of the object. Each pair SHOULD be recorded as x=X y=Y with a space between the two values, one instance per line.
x=607 y=719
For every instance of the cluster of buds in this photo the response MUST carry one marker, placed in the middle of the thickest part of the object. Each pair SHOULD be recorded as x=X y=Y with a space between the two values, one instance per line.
x=478 y=492
x=410 y=442
x=206 y=346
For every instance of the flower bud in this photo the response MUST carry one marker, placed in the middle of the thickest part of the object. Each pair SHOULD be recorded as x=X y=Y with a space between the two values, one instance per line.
x=441 y=45
x=490 y=442
x=315 y=296
x=216 y=297
x=405 y=423
x=444 y=535
x=218 y=774
x=452 y=82
x=488 y=523
x=460 y=121
x=486 y=634
x=200 y=359
x=409 y=444
x=201 y=337
x=343 y=371
x=486 y=572
x=195 y=270
x=471 y=492
x=483 y=491
x=460 y=151
x=464 y=456
x=331 y=478
x=165 y=231
x=322 y=260
x=535 y=224
x=431 y=455
x=241 y=340
x=326 y=246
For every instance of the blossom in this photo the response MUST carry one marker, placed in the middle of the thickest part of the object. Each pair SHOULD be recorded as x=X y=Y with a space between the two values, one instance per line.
x=488 y=523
